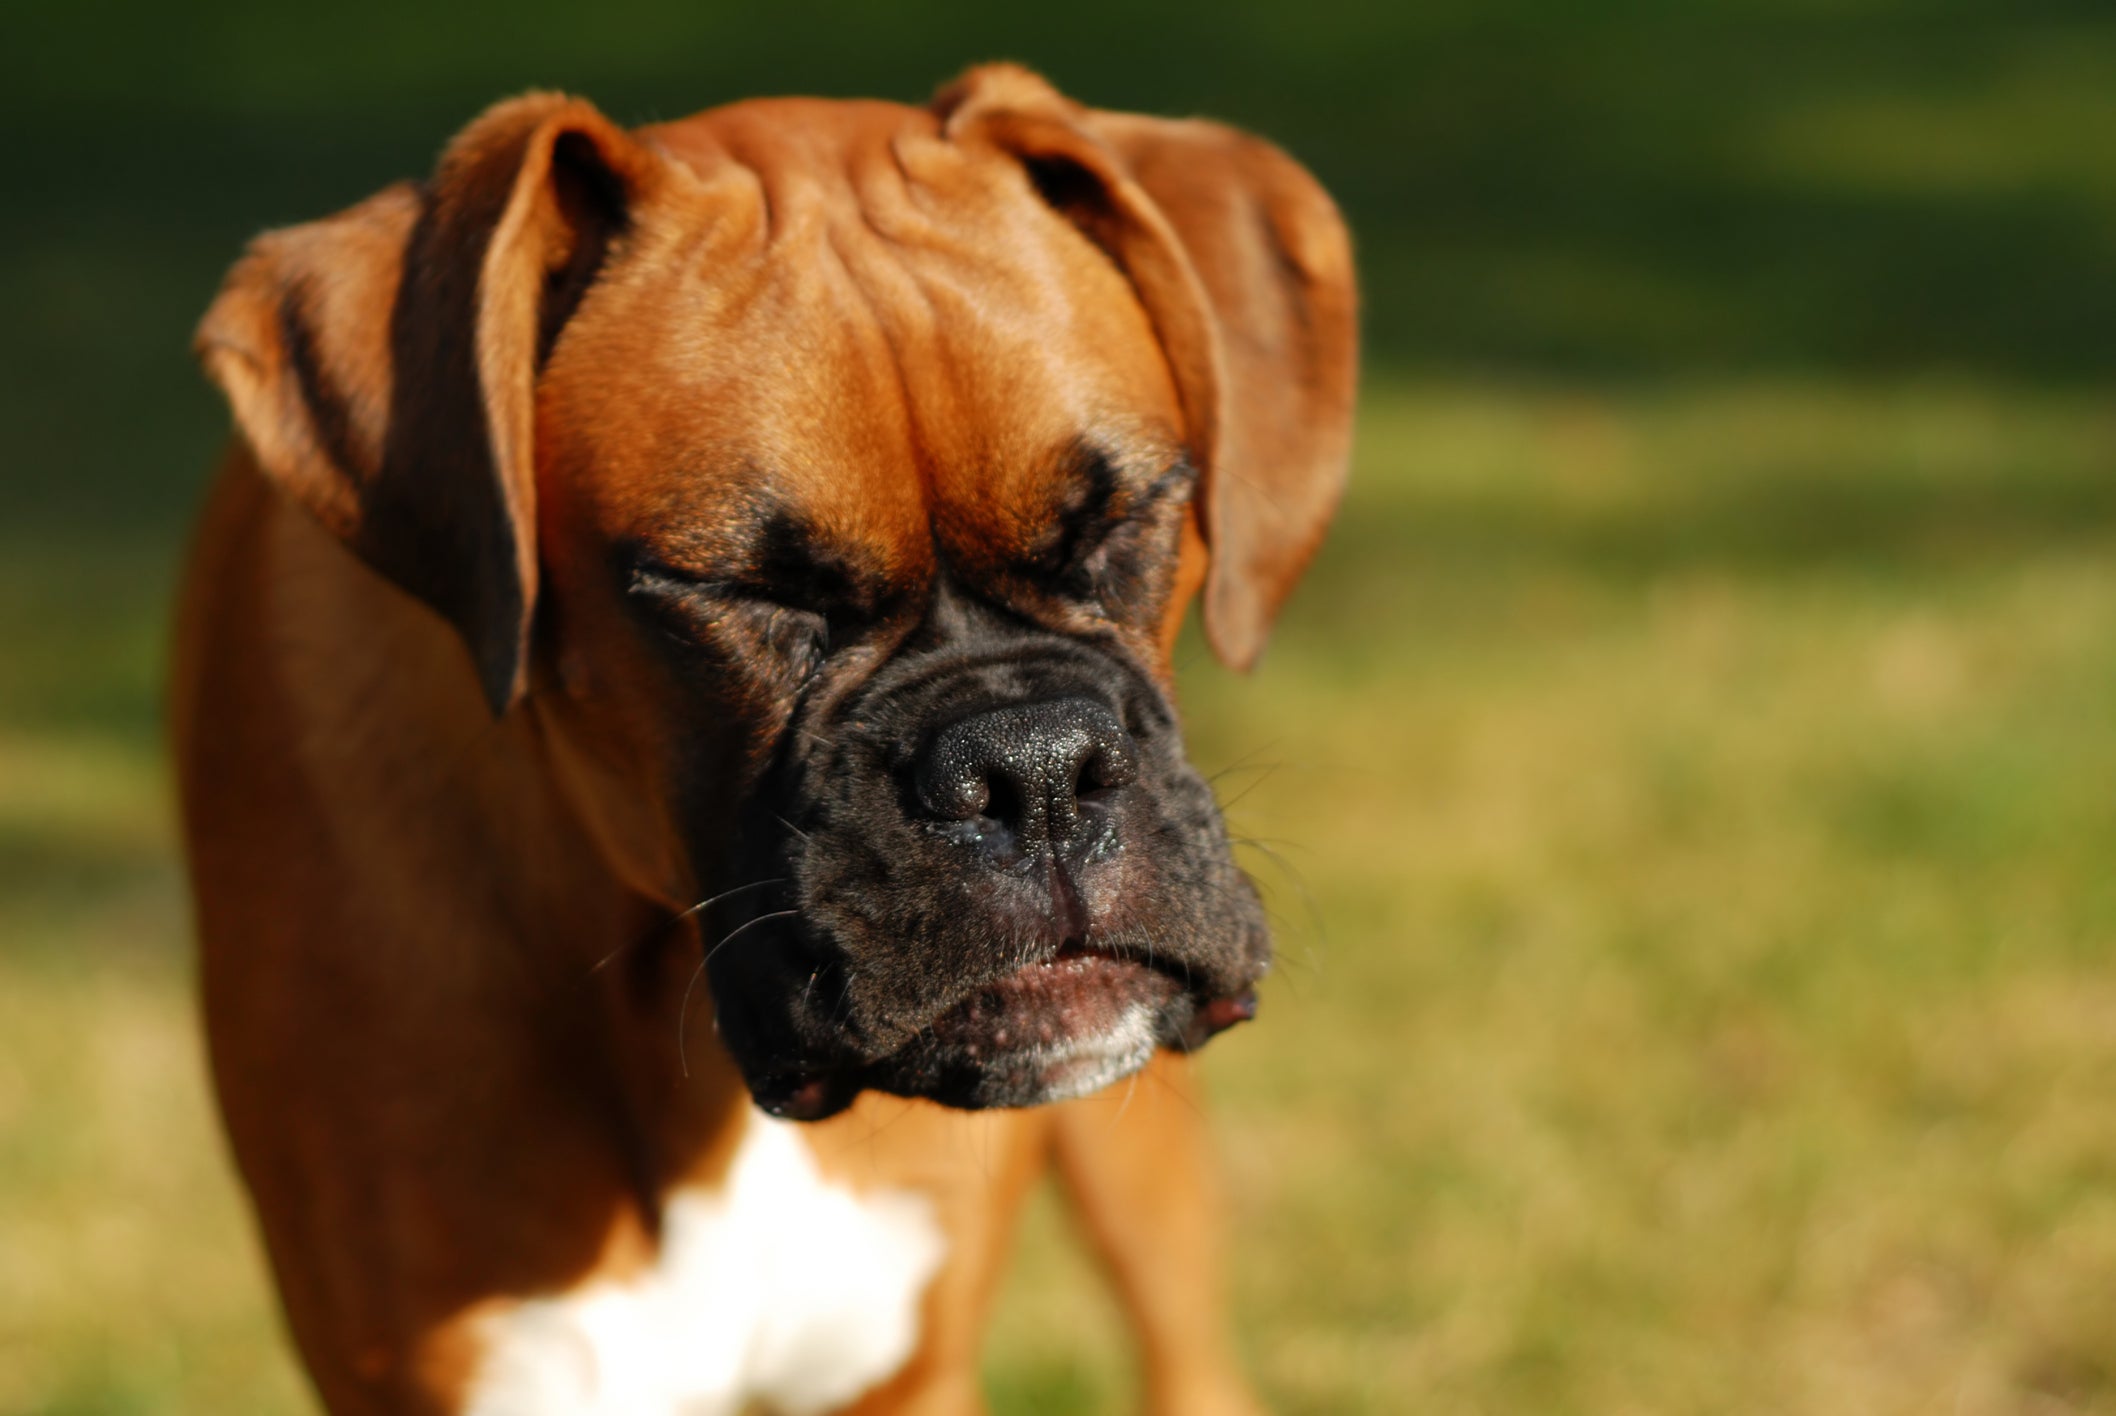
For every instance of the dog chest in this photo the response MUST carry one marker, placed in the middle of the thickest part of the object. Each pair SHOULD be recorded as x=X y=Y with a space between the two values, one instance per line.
x=777 y=1287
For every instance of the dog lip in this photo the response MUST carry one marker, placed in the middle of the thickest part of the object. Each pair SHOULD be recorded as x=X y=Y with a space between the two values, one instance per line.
x=1061 y=1024
x=1046 y=1000
x=804 y=1095
x=1216 y=1016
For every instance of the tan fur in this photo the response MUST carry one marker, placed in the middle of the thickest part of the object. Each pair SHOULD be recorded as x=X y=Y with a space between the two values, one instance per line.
x=457 y=1041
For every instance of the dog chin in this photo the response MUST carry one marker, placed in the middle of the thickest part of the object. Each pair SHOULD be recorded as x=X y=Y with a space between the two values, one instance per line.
x=1089 y=1064
x=1047 y=1032
x=1051 y=1031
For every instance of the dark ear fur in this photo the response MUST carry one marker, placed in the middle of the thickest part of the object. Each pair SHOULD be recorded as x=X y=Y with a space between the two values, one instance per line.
x=381 y=363
x=1245 y=268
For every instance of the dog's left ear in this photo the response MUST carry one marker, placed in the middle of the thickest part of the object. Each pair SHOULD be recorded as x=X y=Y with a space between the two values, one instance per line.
x=381 y=363
x=1245 y=268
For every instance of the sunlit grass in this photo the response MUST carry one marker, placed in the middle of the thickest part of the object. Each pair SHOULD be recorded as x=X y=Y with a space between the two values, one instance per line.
x=1690 y=816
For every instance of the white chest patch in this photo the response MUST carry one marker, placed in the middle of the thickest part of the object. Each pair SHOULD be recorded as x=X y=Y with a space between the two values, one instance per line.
x=777 y=1287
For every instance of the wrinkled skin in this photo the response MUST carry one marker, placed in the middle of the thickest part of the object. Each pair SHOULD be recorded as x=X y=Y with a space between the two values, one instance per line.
x=847 y=606
x=937 y=956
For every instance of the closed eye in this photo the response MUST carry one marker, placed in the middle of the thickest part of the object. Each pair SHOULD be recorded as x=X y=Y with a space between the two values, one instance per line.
x=1107 y=529
x=692 y=610
x=1178 y=481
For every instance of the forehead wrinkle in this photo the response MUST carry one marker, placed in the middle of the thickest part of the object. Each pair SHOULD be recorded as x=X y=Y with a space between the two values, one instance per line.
x=1038 y=336
x=830 y=429
x=974 y=255
x=917 y=341
x=879 y=293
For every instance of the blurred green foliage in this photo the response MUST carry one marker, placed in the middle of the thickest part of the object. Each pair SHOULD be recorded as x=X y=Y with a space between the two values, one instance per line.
x=1642 y=188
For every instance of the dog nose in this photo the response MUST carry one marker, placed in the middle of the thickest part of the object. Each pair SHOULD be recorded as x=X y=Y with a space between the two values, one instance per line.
x=1033 y=774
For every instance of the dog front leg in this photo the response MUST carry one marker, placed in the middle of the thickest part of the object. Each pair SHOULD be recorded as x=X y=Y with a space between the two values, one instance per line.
x=1137 y=1164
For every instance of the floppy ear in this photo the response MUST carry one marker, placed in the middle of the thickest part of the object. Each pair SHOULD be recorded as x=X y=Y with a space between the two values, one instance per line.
x=382 y=363
x=1245 y=269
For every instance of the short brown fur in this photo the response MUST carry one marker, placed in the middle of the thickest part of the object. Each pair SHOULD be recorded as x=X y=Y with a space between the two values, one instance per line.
x=452 y=1028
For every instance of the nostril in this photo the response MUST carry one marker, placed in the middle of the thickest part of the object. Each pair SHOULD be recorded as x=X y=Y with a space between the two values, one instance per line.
x=1003 y=801
x=1095 y=779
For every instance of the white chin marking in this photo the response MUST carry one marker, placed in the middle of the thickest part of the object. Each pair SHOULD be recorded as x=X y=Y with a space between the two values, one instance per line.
x=1088 y=1064
x=777 y=1288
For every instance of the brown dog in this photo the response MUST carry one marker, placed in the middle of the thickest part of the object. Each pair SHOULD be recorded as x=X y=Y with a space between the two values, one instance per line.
x=816 y=488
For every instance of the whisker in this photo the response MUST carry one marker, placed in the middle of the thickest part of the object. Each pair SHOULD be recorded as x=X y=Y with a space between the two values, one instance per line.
x=673 y=920
x=1189 y=1103
x=625 y=948
x=1244 y=759
x=683 y=1013
x=745 y=925
x=1264 y=775
x=843 y=1010
x=1282 y=842
x=1131 y=1089
x=1232 y=769
x=728 y=895
x=1292 y=875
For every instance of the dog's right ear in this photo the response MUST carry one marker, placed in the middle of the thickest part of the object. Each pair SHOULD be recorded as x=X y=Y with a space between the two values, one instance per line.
x=382 y=363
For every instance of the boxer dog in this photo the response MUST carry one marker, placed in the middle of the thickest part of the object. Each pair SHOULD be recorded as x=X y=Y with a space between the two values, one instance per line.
x=673 y=718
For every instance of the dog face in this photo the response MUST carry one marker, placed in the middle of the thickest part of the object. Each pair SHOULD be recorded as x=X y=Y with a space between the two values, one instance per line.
x=833 y=481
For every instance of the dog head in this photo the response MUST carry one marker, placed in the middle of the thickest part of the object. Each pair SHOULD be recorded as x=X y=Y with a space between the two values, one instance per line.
x=830 y=480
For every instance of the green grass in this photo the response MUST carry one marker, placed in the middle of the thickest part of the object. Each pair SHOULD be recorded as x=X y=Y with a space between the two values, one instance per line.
x=1691 y=814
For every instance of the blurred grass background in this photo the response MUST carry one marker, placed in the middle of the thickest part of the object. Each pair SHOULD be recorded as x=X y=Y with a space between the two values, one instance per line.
x=1687 y=784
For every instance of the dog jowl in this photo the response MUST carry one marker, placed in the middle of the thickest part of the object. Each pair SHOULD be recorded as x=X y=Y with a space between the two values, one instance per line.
x=1001 y=881
x=971 y=860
